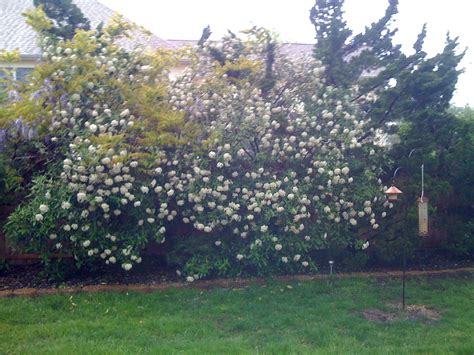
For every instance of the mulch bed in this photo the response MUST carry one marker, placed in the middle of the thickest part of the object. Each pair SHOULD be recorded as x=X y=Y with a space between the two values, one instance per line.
x=30 y=276
x=24 y=284
x=395 y=313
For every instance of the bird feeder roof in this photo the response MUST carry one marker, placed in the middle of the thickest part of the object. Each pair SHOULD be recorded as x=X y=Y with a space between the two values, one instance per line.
x=393 y=191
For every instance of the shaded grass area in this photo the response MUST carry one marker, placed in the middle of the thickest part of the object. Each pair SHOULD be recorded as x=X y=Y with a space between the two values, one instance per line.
x=279 y=317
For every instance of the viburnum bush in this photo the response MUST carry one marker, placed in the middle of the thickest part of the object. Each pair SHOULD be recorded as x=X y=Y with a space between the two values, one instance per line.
x=288 y=165
x=246 y=163
x=100 y=113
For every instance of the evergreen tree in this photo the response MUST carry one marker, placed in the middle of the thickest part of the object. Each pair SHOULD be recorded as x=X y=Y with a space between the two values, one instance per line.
x=347 y=57
x=66 y=17
x=412 y=91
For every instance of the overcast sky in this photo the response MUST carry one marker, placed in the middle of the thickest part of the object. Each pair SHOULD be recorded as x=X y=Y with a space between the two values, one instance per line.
x=185 y=19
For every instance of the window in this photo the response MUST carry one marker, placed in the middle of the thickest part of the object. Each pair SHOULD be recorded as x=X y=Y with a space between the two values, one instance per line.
x=22 y=73
x=5 y=73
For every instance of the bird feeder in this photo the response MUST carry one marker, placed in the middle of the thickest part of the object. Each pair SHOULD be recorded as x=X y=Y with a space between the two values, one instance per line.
x=393 y=193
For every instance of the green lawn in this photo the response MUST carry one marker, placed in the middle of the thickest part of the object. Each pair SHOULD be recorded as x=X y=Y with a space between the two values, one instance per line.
x=293 y=317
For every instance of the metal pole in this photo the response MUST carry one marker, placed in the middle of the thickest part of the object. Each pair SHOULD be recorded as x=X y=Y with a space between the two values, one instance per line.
x=422 y=181
x=404 y=280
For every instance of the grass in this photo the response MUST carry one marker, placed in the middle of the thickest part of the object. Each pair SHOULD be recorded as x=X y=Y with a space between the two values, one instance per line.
x=291 y=317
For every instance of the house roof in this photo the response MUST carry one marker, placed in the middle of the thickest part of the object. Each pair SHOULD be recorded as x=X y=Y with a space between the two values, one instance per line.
x=15 y=34
x=290 y=49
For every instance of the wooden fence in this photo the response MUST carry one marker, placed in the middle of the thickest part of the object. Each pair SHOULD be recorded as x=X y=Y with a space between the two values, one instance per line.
x=18 y=258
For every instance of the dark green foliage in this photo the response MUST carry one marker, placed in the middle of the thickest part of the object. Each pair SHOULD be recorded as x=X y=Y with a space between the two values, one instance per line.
x=336 y=47
x=413 y=96
x=206 y=33
x=66 y=17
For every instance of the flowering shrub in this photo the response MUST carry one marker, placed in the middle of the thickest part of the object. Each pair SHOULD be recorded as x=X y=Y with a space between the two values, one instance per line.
x=247 y=163
x=287 y=166
x=99 y=110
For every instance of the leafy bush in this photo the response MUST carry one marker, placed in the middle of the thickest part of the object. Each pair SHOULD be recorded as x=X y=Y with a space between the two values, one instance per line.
x=287 y=169
x=248 y=163
x=97 y=109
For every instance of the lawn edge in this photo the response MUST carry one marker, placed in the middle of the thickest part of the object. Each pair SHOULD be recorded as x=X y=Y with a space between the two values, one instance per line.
x=222 y=283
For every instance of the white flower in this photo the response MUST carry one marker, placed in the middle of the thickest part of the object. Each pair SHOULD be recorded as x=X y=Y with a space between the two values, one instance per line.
x=353 y=221
x=239 y=257
x=81 y=197
x=264 y=229
x=144 y=189
x=112 y=260
x=365 y=245
x=284 y=259
x=217 y=243
x=189 y=279
x=65 y=205
x=43 y=208
x=125 y=113
x=278 y=247
x=297 y=257
x=53 y=236
x=109 y=182
x=134 y=164
x=212 y=155
x=39 y=217
x=90 y=252
x=93 y=128
x=307 y=238
x=86 y=243
x=126 y=266
x=305 y=263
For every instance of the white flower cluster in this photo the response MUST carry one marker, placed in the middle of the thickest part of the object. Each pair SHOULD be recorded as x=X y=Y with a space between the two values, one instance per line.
x=282 y=167
x=292 y=160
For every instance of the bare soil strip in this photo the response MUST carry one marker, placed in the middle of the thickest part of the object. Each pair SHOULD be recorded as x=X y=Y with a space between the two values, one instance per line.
x=222 y=283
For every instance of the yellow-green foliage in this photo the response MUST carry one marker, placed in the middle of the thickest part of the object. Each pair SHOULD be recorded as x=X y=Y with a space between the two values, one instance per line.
x=36 y=18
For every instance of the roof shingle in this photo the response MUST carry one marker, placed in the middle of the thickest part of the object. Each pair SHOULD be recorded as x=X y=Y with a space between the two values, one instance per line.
x=15 y=34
